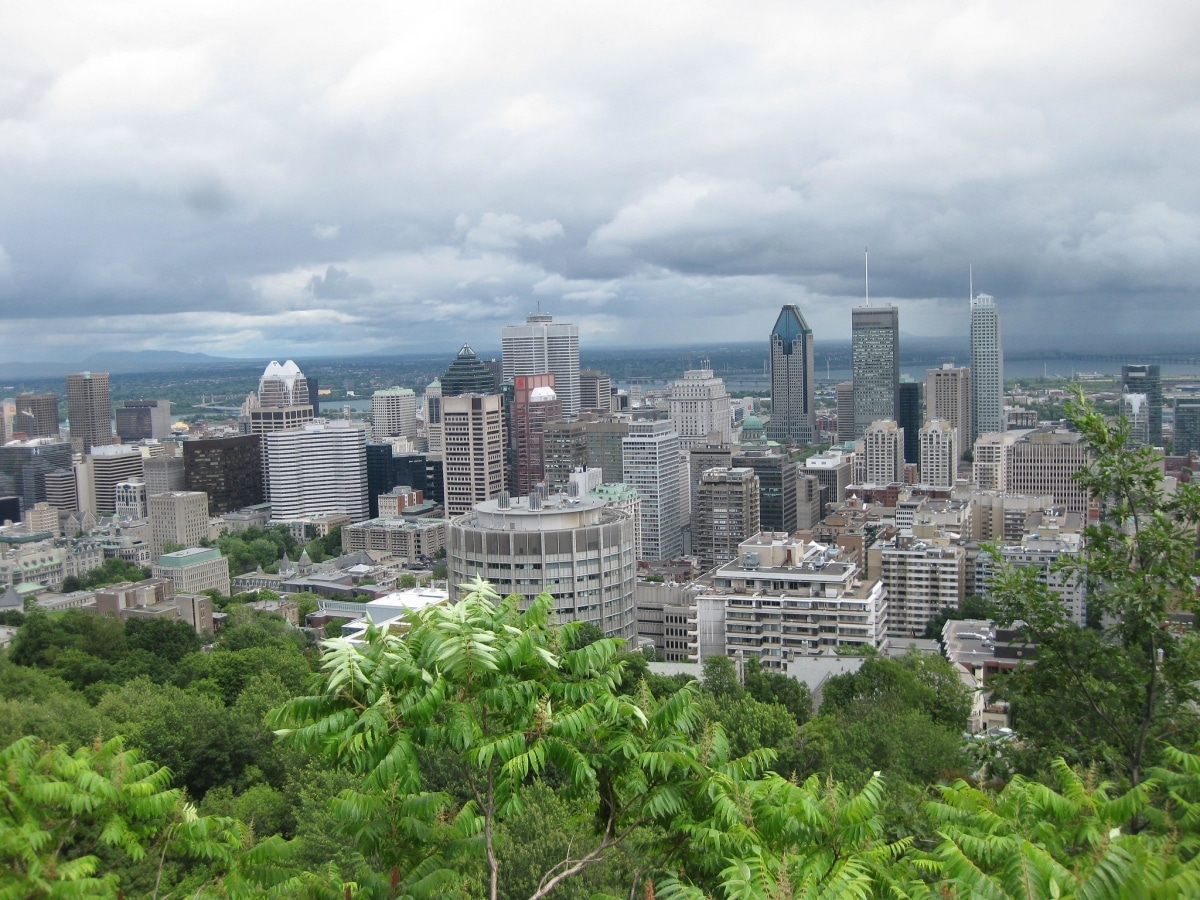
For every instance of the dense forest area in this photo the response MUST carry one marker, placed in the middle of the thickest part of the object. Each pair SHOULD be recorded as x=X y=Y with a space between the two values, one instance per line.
x=485 y=751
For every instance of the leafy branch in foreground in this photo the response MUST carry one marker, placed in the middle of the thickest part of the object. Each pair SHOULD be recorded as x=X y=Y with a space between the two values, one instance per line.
x=511 y=699
x=68 y=821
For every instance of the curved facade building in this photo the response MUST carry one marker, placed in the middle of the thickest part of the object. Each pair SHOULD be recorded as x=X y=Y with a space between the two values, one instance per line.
x=575 y=548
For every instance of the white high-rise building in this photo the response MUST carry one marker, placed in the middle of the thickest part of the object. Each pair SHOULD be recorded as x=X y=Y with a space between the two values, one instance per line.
x=320 y=468
x=883 y=452
x=699 y=407
x=654 y=466
x=939 y=453
x=987 y=368
x=394 y=413
x=473 y=461
x=540 y=346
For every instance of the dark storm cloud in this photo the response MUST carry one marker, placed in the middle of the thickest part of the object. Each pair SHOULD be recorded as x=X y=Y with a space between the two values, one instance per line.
x=653 y=176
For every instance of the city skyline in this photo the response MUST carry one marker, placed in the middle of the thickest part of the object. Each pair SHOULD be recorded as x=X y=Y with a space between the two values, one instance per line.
x=204 y=180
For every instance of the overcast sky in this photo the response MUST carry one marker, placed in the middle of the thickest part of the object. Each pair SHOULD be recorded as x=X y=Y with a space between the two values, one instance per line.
x=272 y=179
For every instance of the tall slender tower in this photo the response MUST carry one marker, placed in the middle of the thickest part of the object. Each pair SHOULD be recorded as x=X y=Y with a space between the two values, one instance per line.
x=793 y=418
x=875 y=333
x=987 y=368
x=89 y=408
x=653 y=465
x=540 y=346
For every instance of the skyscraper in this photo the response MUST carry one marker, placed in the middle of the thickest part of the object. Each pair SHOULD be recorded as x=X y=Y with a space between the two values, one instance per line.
x=653 y=464
x=844 y=394
x=726 y=514
x=468 y=374
x=1144 y=379
x=539 y=346
x=36 y=415
x=534 y=404
x=910 y=414
x=318 y=468
x=948 y=397
x=884 y=452
x=778 y=479
x=394 y=413
x=282 y=401
x=25 y=464
x=595 y=390
x=987 y=368
x=793 y=419
x=875 y=336
x=433 y=416
x=1187 y=427
x=699 y=407
x=177 y=518
x=473 y=457
x=142 y=420
x=228 y=470
x=939 y=453
x=89 y=410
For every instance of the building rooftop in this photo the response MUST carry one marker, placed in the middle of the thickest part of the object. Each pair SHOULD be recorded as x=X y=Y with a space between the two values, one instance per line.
x=188 y=557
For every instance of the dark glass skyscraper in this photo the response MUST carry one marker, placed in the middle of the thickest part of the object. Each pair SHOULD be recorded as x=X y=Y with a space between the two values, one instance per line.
x=468 y=374
x=793 y=420
x=875 y=335
x=910 y=415
x=228 y=469
x=1144 y=379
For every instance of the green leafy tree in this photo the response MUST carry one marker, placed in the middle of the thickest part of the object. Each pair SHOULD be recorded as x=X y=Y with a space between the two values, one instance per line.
x=202 y=743
x=167 y=639
x=720 y=677
x=1113 y=696
x=775 y=687
x=904 y=717
x=76 y=825
x=503 y=694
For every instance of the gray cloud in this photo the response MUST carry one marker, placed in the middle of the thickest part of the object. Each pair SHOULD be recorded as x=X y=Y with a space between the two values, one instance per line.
x=437 y=173
x=338 y=284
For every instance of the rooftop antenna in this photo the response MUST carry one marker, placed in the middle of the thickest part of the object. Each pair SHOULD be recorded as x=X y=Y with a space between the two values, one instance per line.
x=867 y=274
x=970 y=281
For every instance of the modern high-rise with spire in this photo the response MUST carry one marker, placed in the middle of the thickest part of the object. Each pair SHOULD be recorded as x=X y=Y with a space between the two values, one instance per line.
x=987 y=368
x=875 y=338
x=793 y=417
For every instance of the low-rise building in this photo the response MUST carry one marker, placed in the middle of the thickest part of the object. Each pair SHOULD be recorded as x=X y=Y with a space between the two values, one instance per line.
x=156 y=598
x=193 y=570
x=398 y=536
x=782 y=600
